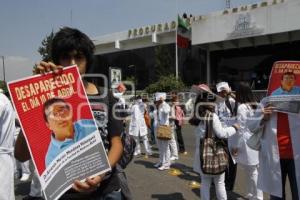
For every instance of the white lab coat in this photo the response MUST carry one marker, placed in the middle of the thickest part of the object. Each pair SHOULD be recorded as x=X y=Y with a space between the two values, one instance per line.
x=224 y=112
x=245 y=155
x=137 y=126
x=7 y=130
x=162 y=118
x=269 y=179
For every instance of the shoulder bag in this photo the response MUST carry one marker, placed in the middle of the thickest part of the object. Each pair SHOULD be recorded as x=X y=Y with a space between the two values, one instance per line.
x=213 y=151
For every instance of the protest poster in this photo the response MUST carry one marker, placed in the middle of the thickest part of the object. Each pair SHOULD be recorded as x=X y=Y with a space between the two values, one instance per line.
x=60 y=131
x=284 y=87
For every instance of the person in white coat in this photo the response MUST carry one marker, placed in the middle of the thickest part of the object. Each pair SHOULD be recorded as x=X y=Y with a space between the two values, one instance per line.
x=246 y=157
x=138 y=128
x=279 y=154
x=161 y=117
x=7 y=130
x=203 y=105
x=225 y=110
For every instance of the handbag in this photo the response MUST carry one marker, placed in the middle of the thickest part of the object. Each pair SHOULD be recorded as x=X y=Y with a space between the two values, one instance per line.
x=163 y=132
x=254 y=141
x=213 y=151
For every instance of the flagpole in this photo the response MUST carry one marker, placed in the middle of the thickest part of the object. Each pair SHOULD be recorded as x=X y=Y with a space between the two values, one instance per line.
x=176 y=46
x=176 y=52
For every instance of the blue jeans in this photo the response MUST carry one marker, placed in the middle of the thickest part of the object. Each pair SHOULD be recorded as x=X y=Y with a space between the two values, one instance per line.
x=115 y=195
x=287 y=169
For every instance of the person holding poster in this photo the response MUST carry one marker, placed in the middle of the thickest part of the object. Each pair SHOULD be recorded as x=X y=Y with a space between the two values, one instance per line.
x=280 y=151
x=7 y=130
x=59 y=119
x=69 y=47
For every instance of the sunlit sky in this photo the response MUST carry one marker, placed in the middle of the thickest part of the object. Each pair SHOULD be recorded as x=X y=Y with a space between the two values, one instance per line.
x=25 y=23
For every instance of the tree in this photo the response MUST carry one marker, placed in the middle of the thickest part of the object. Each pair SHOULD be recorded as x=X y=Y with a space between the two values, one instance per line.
x=3 y=86
x=45 y=49
x=163 y=61
x=166 y=84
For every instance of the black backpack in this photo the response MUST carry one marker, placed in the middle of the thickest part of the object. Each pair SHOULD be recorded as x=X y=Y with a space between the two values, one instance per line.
x=128 y=149
x=128 y=141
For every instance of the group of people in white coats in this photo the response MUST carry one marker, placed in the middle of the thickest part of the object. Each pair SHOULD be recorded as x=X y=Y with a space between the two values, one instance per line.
x=237 y=118
x=161 y=115
x=229 y=121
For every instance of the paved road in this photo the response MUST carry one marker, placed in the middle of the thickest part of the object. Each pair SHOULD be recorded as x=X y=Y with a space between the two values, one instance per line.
x=147 y=183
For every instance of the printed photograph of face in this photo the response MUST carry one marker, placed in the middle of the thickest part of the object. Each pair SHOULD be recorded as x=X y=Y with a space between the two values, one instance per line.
x=58 y=115
x=287 y=85
x=288 y=81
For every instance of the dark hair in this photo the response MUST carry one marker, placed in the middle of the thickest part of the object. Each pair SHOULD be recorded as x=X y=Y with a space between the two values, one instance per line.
x=288 y=73
x=200 y=110
x=69 y=39
x=174 y=99
x=244 y=94
x=49 y=102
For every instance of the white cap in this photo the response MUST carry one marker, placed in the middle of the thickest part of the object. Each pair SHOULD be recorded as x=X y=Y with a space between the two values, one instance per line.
x=223 y=86
x=159 y=95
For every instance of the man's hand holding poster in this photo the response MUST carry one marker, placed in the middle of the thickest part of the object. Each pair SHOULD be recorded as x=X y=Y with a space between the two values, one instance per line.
x=60 y=130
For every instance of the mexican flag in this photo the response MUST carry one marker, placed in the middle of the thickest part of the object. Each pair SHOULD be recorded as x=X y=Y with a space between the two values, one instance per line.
x=183 y=33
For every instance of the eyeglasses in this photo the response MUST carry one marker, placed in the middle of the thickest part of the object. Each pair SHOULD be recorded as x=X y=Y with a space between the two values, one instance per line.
x=59 y=112
x=288 y=78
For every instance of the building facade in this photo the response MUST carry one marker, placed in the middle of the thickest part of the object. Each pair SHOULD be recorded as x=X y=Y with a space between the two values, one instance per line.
x=237 y=44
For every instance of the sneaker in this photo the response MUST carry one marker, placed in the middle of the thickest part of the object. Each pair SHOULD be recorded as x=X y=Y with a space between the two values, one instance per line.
x=25 y=177
x=161 y=168
x=173 y=158
x=137 y=153
x=157 y=165
x=184 y=152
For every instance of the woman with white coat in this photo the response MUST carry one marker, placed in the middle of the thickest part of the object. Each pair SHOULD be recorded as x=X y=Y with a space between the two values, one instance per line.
x=203 y=106
x=246 y=157
x=138 y=128
x=161 y=117
x=7 y=130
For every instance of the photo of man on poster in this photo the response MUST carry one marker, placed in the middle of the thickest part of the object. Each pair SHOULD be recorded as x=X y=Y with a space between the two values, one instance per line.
x=58 y=116
x=288 y=80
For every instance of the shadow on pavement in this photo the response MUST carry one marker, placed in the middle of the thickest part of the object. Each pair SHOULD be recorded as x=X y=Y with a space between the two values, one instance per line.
x=196 y=191
x=147 y=164
x=22 y=188
x=187 y=172
x=173 y=196
x=234 y=196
